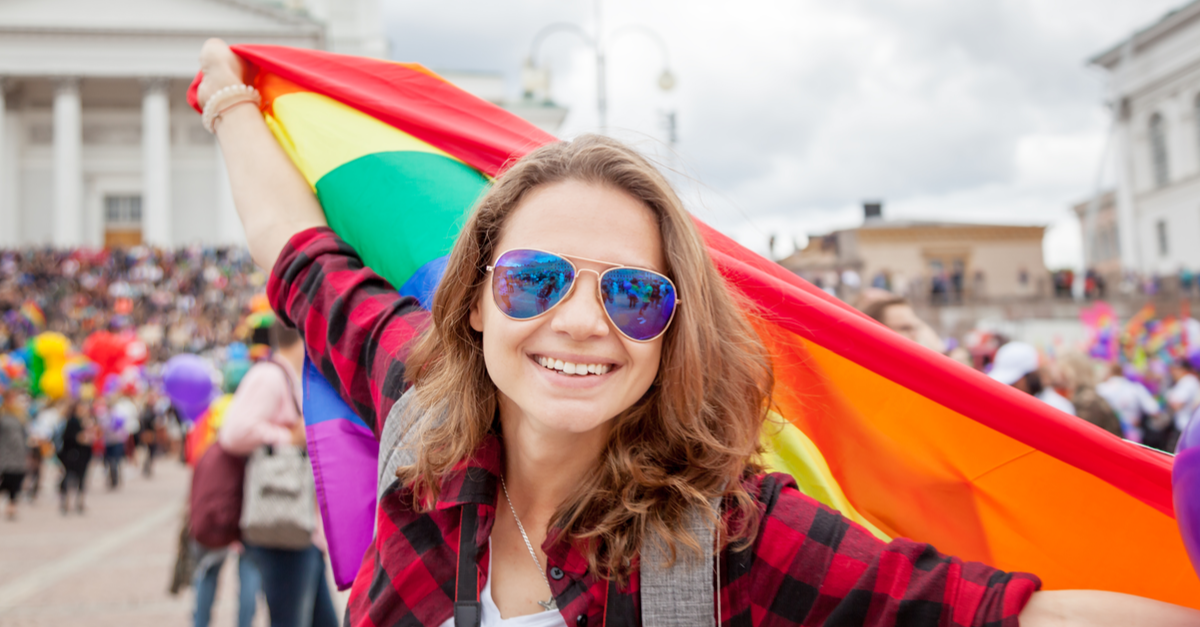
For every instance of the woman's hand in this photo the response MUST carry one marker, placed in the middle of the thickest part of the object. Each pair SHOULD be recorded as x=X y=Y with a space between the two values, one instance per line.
x=273 y=200
x=1065 y=608
x=220 y=68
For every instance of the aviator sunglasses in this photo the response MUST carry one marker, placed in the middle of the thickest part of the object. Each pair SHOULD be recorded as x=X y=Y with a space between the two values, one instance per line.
x=527 y=283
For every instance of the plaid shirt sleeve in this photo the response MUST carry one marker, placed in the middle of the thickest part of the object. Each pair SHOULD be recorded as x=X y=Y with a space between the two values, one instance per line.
x=356 y=328
x=811 y=566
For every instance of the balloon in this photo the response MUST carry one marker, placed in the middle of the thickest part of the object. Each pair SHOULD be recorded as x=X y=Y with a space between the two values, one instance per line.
x=259 y=303
x=49 y=356
x=113 y=353
x=1185 y=483
x=51 y=347
x=233 y=373
x=237 y=352
x=188 y=382
x=53 y=384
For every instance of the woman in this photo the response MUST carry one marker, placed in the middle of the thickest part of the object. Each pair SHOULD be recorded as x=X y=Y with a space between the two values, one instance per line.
x=603 y=427
x=75 y=453
x=14 y=438
x=266 y=411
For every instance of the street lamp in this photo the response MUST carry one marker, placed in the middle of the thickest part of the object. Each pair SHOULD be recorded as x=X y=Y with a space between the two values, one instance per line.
x=537 y=79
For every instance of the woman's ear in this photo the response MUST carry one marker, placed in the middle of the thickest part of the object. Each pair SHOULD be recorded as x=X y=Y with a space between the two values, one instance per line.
x=476 y=317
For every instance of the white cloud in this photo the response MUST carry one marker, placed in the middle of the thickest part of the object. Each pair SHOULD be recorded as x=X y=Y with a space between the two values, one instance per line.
x=793 y=111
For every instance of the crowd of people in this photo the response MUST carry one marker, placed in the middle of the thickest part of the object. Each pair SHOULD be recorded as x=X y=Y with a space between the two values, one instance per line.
x=195 y=301
x=184 y=300
x=192 y=301
x=1144 y=400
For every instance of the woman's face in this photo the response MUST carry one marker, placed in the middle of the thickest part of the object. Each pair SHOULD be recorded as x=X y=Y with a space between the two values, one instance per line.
x=573 y=219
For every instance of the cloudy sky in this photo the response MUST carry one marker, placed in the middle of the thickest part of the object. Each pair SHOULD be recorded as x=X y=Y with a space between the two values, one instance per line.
x=791 y=112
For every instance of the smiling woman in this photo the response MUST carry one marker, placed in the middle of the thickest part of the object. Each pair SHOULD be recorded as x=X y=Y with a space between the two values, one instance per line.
x=585 y=396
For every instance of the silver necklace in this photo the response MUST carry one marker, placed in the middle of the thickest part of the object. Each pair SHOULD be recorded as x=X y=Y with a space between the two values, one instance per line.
x=548 y=605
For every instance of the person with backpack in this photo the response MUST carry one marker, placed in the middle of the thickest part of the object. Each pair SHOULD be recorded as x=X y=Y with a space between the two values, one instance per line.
x=562 y=448
x=279 y=521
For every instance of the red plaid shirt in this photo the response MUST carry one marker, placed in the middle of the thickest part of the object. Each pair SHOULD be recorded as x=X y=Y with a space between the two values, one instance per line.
x=807 y=566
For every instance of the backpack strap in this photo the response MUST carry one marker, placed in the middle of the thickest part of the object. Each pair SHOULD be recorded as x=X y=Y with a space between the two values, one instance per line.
x=397 y=442
x=682 y=595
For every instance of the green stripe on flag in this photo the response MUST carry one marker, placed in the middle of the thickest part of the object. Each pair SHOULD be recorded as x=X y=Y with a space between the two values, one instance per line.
x=399 y=210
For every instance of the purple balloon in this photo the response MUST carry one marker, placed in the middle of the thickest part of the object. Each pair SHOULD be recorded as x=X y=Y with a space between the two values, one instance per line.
x=1185 y=484
x=188 y=383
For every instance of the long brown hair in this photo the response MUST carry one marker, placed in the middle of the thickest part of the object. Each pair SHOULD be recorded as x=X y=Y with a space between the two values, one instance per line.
x=691 y=438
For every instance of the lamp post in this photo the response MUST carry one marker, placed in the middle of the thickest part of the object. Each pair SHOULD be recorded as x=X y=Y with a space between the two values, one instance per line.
x=537 y=79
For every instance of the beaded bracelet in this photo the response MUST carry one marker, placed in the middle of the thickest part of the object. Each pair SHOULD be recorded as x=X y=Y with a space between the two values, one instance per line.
x=225 y=98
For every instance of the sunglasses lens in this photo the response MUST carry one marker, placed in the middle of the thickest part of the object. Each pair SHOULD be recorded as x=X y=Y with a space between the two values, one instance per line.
x=639 y=302
x=525 y=283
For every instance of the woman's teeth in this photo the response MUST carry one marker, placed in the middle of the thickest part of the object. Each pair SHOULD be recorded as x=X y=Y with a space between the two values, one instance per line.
x=567 y=367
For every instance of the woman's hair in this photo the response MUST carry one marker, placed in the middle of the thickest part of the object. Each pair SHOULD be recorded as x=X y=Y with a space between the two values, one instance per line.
x=691 y=438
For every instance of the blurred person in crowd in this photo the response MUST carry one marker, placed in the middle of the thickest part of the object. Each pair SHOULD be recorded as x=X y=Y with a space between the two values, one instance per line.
x=41 y=445
x=207 y=576
x=1134 y=404
x=75 y=453
x=897 y=314
x=1079 y=376
x=1183 y=398
x=118 y=418
x=14 y=437
x=149 y=422
x=1017 y=364
x=266 y=411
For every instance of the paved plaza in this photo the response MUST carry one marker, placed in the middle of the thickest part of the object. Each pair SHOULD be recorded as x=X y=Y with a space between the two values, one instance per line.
x=110 y=566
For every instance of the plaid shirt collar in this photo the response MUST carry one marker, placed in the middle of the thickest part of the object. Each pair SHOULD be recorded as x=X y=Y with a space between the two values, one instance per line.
x=475 y=480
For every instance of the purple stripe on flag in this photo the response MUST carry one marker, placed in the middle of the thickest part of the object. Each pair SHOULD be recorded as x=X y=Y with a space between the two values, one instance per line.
x=343 y=458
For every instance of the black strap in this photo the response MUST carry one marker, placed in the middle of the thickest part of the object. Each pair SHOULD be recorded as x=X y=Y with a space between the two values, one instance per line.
x=468 y=612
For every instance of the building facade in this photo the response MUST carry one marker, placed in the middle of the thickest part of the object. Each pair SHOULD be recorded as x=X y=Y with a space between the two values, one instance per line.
x=1154 y=93
x=97 y=143
x=928 y=261
x=1102 y=247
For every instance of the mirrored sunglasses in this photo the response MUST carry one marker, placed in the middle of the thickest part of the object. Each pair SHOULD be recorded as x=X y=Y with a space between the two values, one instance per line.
x=527 y=283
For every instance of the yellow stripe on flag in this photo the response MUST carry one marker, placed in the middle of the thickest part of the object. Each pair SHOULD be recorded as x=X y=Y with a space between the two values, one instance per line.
x=319 y=133
x=790 y=451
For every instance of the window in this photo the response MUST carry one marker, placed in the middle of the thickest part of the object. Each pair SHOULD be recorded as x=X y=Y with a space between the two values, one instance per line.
x=1161 y=227
x=1158 y=150
x=122 y=211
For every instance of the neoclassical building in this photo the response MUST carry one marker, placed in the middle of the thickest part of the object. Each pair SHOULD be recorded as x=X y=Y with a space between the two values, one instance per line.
x=1154 y=91
x=97 y=143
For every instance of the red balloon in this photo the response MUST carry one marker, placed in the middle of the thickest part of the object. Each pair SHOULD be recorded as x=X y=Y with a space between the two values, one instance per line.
x=113 y=353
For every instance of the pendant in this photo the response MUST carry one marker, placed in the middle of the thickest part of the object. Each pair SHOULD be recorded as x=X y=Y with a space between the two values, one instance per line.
x=549 y=605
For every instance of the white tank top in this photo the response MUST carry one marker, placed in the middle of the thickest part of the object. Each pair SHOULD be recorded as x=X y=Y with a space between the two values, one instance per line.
x=491 y=613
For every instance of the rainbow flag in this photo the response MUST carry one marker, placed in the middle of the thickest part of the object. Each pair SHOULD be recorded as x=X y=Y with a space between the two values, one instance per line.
x=901 y=439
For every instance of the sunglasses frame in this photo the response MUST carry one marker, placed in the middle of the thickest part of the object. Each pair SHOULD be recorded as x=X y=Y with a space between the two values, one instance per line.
x=599 y=295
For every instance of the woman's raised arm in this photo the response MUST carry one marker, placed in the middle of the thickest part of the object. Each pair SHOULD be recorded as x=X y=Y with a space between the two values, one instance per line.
x=272 y=197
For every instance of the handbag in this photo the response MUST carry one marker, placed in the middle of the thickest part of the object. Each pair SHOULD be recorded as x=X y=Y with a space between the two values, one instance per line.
x=279 y=510
x=216 y=498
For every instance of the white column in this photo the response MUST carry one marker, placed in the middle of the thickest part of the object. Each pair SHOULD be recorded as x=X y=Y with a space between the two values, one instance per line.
x=156 y=163
x=229 y=226
x=1128 y=236
x=68 y=164
x=10 y=179
x=8 y=228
